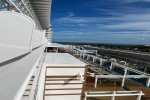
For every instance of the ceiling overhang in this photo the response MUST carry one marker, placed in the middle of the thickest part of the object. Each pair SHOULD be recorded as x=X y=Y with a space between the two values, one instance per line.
x=42 y=10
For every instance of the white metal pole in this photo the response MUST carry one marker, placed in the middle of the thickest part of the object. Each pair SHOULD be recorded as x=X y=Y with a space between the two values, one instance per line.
x=96 y=78
x=57 y=50
x=123 y=81
x=96 y=52
x=80 y=54
x=139 y=96
x=113 y=97
x=100 y=82
x=87 y=57
x=125 y=63
x=85 y=95
x=93 y=59
x=124 y=76
x=111 y=65
x=83 y=55
x=145 y=69
x=115 y=60
x=101 y=61
x=148 y=82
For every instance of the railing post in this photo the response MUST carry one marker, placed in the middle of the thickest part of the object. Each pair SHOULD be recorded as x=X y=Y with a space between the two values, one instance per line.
x=113 y=97
x=96 y=78
x=101 y=61
x=85 y=95
x=93 y=59
x=96 y=52
x=87 y=57
x=125 y=63
x=80 y=54
x=124 y=76
x=57 y=50
x=145 y=69
x=139 y=96
x=111 y=66
x=148 y=82
x=83 y=55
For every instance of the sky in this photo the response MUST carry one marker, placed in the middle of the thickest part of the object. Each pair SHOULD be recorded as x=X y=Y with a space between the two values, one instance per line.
x=101 y=21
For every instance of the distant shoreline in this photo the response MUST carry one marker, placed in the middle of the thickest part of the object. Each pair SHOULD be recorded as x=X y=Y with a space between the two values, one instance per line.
x=132 y=47
x=102 y=44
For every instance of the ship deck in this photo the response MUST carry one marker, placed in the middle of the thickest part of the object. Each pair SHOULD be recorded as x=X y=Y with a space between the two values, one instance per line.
x=113 y=85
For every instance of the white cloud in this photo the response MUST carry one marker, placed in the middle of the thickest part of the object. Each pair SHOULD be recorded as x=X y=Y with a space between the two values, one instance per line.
x=72 y=20
x=142 y=17
x=127 y=22
x=129 y=26
x=70 y=14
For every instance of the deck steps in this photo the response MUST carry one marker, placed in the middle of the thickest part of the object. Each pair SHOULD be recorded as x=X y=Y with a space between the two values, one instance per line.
x=57 y=87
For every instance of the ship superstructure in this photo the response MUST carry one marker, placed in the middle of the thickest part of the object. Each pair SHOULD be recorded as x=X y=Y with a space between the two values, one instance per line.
x=31 y=67
x=24 y=34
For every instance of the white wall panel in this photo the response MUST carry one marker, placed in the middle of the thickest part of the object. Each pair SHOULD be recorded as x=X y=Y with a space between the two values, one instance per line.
x=15 y=34
x=45 y=40
x=36 y=39
x=43 y=37
x=14 y=79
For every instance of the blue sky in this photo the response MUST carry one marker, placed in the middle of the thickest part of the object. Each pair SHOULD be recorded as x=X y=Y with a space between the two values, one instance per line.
x=101 y=21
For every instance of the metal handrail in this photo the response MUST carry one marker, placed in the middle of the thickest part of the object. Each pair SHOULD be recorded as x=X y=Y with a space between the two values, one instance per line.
x=34 y=89
x=113 y=94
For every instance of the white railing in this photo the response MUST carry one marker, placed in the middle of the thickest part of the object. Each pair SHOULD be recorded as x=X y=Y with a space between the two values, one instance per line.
x=114 y=64
x=34 y=88
x=113 y=94
x=123 y=77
